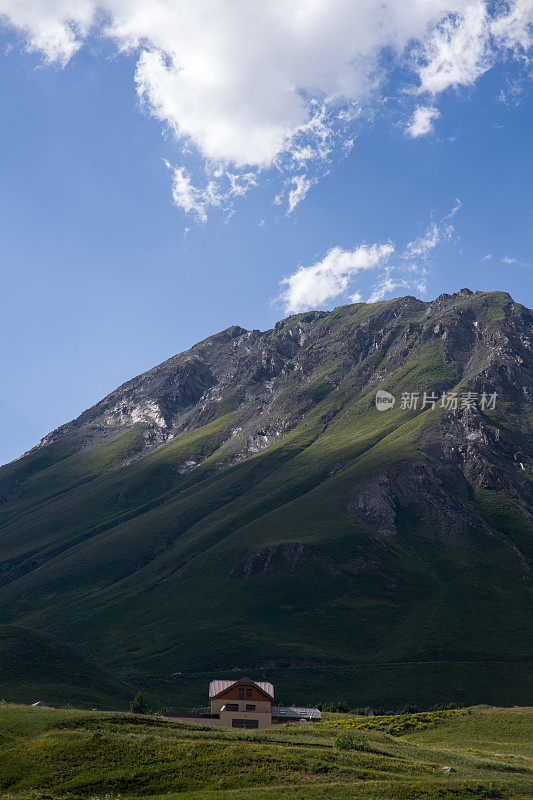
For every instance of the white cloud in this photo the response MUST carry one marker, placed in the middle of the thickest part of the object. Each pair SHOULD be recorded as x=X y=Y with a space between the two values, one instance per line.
x=329 y=278
x=434 y=234
x=424 y=243
x=511 y=261
x=187 y=196
x=511 y=95
x=468 y=42
x=218 y=192
x=278 y=83
x=421 y=122
x=55 y=28
x=300 y=187
x=383 y=288
x=458 y=51
x=514 y=29
x=333 y=276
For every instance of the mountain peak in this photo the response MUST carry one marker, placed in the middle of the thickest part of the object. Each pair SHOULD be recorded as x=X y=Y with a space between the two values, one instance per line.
x=252 y=483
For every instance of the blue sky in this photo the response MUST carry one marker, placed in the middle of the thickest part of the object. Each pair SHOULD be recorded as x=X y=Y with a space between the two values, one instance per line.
x=105 y=272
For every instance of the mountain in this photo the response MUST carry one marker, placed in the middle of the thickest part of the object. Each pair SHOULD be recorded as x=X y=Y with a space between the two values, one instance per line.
x=245 y=505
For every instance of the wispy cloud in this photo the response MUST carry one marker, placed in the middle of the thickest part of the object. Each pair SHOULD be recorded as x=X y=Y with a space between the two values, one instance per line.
x=218 y=192
x=434 y=234
x=288 y=101
x=294 y=191
x=187 y=196
x=511 y=261
x=458 y=50
x=508 y=260
x=300 y=187
x=384 y=287
x=421 y=122
x=512 y=94
x=334 y=275
x=330 y=277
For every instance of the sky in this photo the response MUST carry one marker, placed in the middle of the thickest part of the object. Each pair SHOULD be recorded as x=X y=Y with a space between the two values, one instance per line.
x=169 y=168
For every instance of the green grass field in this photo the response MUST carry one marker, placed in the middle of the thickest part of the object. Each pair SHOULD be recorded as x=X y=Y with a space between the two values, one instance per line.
x=482 y=753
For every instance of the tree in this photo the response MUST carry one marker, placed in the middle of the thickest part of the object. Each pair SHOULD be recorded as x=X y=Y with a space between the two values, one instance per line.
x=138 y=704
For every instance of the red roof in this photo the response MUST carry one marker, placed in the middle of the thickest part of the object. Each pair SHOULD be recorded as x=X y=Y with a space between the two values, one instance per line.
x=219 y=686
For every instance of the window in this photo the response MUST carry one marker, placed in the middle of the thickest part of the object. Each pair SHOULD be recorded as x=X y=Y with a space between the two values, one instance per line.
x=232 y=707
x=250 y=706
x=237 y=723
x=241 y=694
x=248 y=694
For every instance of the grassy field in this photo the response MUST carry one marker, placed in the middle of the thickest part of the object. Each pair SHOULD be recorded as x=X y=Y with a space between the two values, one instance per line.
x=482 y=753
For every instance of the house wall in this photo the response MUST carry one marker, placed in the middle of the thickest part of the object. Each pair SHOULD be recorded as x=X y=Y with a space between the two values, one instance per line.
x=261 y=706
x=264 y=720
x=226 y=720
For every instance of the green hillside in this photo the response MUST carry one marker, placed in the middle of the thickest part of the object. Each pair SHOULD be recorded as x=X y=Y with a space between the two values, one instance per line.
x=285 y=526
x=472 y=754
x=34 y=666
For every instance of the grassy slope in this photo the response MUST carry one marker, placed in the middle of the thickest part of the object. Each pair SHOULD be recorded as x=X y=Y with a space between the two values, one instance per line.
x=139 y=544
x=53 y=754
x=34 y=666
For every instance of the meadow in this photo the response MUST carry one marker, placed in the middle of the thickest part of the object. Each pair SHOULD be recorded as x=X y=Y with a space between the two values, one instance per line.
x=481 y=753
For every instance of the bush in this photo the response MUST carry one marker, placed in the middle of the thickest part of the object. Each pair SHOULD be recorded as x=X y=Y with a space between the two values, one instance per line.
x=445 y=707
x=138 y=704
x=395 y=724
x=347 y=740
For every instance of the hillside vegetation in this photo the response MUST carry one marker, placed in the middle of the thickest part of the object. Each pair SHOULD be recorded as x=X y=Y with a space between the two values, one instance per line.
x=34 y=666
x=244 y=506
x=473 y=754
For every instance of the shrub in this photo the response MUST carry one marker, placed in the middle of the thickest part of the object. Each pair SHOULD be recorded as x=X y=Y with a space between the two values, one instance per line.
x=395 y=724
x=348 y=740
x=444 y=707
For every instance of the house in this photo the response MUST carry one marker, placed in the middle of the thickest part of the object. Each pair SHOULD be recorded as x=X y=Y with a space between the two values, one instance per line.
x=241 y=704
x=248 y=704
